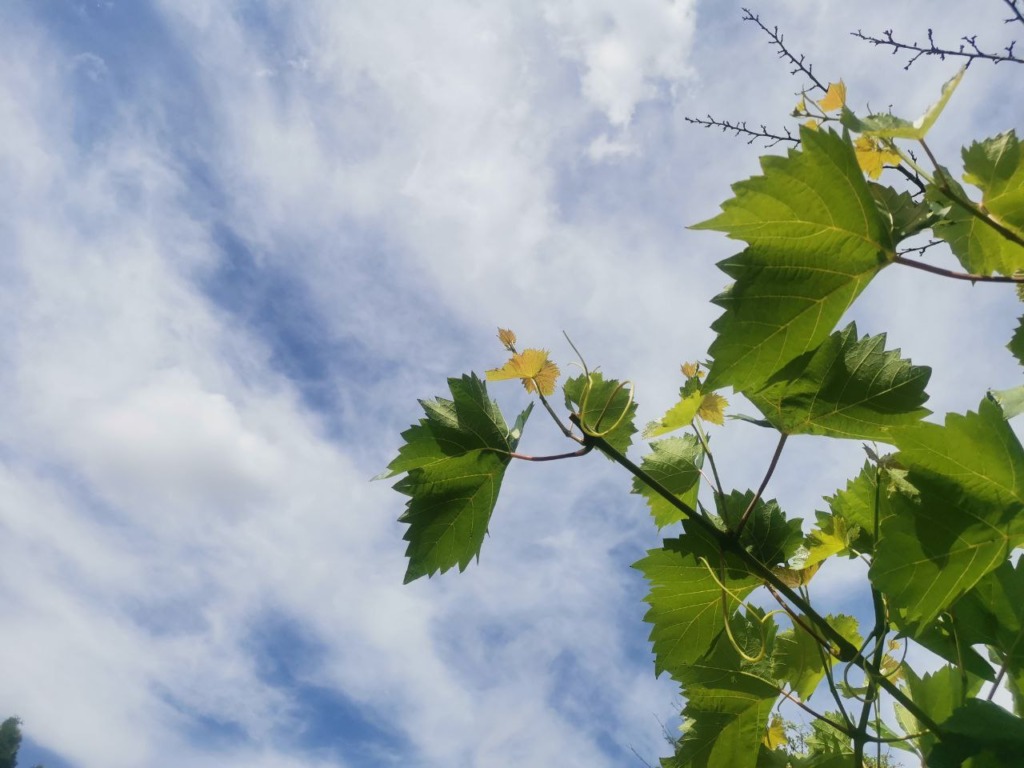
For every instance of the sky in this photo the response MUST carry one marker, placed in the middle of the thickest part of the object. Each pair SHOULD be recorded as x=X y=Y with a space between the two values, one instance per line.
x=240 y=239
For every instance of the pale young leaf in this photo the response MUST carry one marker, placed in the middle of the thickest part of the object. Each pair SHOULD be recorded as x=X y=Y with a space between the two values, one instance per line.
x=507 y=338
x=835 y=97
x=712 y=408
x=533 y=367
x=873 y=156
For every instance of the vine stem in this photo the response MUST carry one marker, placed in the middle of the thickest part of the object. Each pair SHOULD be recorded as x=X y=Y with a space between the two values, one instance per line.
x=943 y=184
x=764 y=484
x=958 y=275
x=845 y=649
x=571 y=455
x=706 y=445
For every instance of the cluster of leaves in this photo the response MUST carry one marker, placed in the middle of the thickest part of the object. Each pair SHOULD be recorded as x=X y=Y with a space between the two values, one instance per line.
x=936 y=520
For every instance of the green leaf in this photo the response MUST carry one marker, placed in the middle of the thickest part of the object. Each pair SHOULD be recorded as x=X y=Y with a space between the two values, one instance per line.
x=979 y=728
x=1010 y=401
x=686 y=599
x=815 y=237
x=905 y=215
x=605 y=407
x=1016 y=345
x=855 y=505
x=979 y=248
x=455 y=460
x=729 y=699
x=996 y=167
x=798 y=662
x=675 y=463
x=993 y=613
x=963 y=523
x=888 y=126
x=977 y=451
x=767 y=535
x=938 y=694
x=845 y=388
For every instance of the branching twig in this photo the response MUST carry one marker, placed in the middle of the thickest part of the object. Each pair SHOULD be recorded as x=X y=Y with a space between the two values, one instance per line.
x=784 y=52
x=921 y=248
x=571 y=455
x=1018 y=15
x=968 y=49
x=741 y=129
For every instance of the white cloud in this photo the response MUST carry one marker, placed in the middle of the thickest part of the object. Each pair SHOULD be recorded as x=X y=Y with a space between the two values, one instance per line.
x=420 y=174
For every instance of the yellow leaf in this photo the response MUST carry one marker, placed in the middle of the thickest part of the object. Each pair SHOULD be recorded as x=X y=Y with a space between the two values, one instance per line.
x=712 y=408
x=872 y=156
x=812 y=124
x=796 y=577
x=507 y=338
x=800 y=108
x=776 y=737
x=533 y=367
x=835 y=97
x=691 y=369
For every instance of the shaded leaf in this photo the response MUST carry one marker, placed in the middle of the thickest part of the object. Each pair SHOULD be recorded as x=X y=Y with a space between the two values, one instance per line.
x=904 y=215
x=855 y=505
x=767 y=535
x=815 y=239
x=675 y=463
x=845 y=388
x=938 y=694
x=455 y=460
x=1016 y=345
x=979 y=728
x=605 y=406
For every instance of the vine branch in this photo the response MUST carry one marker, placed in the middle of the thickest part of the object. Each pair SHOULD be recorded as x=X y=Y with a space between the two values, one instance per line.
x=764 y=484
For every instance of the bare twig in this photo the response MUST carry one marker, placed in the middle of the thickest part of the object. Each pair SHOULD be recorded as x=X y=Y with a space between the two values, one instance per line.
x=784 y=53
x=741 y=129
x=968 y=48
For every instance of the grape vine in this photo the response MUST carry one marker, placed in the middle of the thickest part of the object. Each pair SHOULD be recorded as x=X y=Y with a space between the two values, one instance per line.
x=938 y=520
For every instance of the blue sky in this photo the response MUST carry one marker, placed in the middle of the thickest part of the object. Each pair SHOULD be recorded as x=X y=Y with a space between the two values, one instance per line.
x=241 y=238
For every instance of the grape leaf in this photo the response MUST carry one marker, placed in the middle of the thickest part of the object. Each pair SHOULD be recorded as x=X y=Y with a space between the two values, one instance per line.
x=729 y=699
x=455 y=460
x=905 y=215
x=674 y=462
x=873 y=156
x=1010 y=401
x=888 y=126
x=605 y=407
x=996 y=167
x=845 y=388
x=815 y=239
x=686 y=600
x=798 y=662
x=982 y=729
x=835 y=97
x=767 y=535
x=1016 y=345
x=964 y=521
x=855 y=505
x=678 y=416
x=977 y=451
x=531 y=366
x=993 y=614
x=937 y=693
x=977 y=246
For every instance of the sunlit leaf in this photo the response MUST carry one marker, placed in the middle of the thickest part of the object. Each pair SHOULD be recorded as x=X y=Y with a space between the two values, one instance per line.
x=712 y=408
x=815 y=239
x=835 y=97
x=507 y=338
x=873 y=156
x=686 y=599
x=887 y=126
x=968 y=515
x=775 y=736
x=1010 y=401
x=454 y=460
x=729 y=699
x=533 y=367
x=674 y=462
x=605 y=406
x=678 y=416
